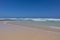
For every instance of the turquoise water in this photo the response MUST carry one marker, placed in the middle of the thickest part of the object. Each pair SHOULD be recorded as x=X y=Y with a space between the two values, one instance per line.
x=49 y=23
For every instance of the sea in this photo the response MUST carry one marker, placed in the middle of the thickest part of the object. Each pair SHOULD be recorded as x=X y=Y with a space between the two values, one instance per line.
x=46 y=21
x=50 y=22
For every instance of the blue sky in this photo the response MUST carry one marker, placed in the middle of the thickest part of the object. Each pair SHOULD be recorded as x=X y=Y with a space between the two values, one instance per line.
x=30 y=8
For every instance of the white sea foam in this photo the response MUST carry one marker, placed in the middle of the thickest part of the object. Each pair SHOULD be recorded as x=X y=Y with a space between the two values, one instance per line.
x=33 y=19
x=42 y=19
x=39 y=19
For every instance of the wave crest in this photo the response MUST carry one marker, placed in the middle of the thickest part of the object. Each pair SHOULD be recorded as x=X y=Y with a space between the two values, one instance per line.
x=32 y=19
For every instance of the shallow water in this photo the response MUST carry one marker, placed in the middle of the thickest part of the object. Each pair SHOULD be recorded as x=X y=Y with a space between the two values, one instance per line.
x=49 y=23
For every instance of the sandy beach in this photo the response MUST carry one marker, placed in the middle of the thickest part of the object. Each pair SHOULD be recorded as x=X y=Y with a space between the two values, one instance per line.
x=23 y=32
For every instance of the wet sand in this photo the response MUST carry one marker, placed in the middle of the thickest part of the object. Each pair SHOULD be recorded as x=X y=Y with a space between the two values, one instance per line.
x=20 y=32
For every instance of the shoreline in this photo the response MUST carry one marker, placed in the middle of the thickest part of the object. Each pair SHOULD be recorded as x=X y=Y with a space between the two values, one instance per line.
x=31 y=25
x=26 y=32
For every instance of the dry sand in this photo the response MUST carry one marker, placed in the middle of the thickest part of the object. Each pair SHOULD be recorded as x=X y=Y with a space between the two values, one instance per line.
x=20 y=32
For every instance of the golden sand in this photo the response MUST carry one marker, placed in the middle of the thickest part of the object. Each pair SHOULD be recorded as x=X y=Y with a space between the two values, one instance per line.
x=13 y=32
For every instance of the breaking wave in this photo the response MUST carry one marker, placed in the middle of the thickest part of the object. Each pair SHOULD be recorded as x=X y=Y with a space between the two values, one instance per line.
x=41 y=19
x=32 y=19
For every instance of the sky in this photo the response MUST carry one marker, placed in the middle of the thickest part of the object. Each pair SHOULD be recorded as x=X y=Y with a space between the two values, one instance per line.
x=30 y=8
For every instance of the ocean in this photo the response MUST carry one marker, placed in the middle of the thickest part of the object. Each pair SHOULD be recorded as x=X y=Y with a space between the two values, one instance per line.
x=50 y=22
x=44 y=21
